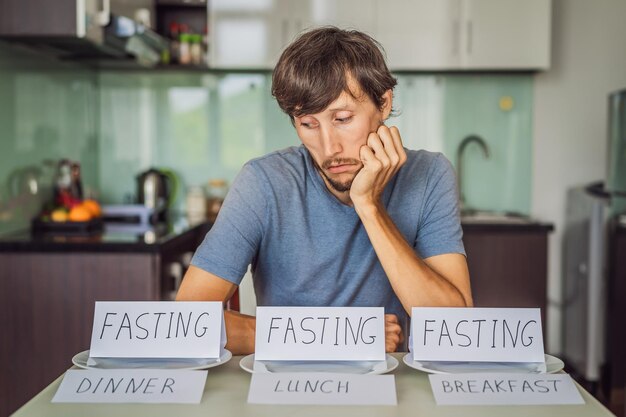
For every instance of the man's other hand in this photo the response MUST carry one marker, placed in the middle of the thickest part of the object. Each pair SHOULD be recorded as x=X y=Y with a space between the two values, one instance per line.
x=393 y=333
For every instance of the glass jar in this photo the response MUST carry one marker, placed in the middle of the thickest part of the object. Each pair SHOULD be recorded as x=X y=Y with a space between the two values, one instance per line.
x=215 y=193
x=196 y=206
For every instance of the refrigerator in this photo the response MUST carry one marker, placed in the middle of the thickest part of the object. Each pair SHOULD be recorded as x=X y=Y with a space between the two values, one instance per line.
x=590 y=211
x=585 y=279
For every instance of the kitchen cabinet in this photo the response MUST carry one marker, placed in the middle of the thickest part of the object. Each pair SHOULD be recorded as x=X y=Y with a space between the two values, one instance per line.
x=508 y=264
x=252 y=34
x=419 y=34
x=246 y=34
x=416 y=34
x=465 y=34
x=48 y=287
x=505 y=34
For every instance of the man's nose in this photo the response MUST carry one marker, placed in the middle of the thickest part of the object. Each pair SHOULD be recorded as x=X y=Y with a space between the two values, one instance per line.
x=330 y=141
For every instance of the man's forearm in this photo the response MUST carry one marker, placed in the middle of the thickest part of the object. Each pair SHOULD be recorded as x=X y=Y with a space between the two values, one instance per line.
x=413 y=281
x=240 y=331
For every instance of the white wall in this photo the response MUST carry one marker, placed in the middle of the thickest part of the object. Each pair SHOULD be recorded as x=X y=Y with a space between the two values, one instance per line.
x=570 y=118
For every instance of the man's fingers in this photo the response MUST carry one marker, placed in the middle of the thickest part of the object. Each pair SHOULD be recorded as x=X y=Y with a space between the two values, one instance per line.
x=387 y=140
x=368 y=158
x=397 y=141
x=393 y=333
x=375 y=143
x=391 y=318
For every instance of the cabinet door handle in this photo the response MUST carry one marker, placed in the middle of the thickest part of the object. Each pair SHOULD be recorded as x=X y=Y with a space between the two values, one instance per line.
x=456 y=31
x=470 y=32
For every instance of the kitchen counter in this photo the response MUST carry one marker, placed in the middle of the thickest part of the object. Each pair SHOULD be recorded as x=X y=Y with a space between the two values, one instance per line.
x=502 y=221
x=113 y=238
x=49 y=284
x=227 y=386
x=531 y=226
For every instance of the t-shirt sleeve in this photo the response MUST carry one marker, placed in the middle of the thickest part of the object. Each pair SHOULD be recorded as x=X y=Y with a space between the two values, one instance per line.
x=440 y=226
x=233 y=240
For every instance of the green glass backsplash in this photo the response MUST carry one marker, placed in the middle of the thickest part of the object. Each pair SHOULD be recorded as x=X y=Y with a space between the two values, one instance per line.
x=48 y=111
x=499 y=110
x=206 y=125
x=201 y=126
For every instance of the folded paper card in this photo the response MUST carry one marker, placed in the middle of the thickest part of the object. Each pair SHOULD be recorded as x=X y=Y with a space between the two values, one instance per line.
x=476 y=334
x=320 y=333
x=147 y=329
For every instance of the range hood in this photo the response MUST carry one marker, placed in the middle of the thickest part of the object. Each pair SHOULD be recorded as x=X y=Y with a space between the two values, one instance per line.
x=79 y=30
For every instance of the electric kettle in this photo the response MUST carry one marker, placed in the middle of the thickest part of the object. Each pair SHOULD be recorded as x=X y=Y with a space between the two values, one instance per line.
x=153 y=191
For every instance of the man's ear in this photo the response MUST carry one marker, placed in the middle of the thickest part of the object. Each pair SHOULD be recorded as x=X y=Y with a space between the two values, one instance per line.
x=387 y=104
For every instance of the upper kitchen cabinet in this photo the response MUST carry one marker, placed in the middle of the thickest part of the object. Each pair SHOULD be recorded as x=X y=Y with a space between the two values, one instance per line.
x=465 y=34
x=505 y=34
x=252 y=34
x=419 y=34
x=246 y=33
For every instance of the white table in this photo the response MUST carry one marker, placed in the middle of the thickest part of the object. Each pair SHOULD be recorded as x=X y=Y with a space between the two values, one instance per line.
x=226 y=392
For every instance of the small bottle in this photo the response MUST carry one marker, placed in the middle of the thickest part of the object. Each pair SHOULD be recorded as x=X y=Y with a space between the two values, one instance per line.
x=174 y=43
x=196 y=205
x=195 y=49
x=184 y=51
x=205 y=45
x=216 y=192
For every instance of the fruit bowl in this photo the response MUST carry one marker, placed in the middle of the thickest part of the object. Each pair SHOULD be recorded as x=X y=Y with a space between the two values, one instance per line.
x=39 y=225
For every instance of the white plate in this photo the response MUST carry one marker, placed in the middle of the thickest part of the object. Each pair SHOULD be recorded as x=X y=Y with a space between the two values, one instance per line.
x=357 y=367
x=553 y=364
x=80 y=360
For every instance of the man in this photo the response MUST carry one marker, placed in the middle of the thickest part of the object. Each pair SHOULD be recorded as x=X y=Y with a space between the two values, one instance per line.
x=350 y=218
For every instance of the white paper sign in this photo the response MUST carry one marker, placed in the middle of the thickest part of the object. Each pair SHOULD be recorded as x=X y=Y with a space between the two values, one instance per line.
x=504 y=389
x=131 y=386
x=147 y=329
x=320 y=333
x=477 y=334
x=322 y=389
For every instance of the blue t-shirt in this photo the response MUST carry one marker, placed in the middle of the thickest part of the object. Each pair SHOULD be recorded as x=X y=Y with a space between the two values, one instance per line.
x=306 y=248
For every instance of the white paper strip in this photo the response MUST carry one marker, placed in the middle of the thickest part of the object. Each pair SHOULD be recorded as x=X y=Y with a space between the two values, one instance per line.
x=131 y=386
x=322 y=389
x=504 y=389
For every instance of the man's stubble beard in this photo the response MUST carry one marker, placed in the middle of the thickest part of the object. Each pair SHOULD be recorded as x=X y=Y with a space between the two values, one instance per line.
x=338 y=186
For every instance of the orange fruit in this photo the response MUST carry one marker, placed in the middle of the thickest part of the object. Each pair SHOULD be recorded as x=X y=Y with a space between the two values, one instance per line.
x=93 y=207
x=79 y=213
x=59 y=215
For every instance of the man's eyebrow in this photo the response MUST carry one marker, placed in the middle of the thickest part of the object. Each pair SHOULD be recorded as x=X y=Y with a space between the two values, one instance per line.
x=343 y=107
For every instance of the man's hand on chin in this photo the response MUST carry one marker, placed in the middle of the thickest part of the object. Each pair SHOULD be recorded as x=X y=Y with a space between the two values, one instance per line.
x=382 y=157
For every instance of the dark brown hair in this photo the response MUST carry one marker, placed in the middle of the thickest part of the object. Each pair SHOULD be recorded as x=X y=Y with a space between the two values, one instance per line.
x=313 y=71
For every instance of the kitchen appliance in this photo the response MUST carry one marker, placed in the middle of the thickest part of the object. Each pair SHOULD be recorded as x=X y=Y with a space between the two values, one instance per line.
x=590 y=211
x=79 y=29
x=585 y=280
x=154 y=189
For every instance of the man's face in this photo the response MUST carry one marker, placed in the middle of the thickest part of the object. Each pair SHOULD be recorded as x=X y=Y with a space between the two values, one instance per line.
x=335 y=135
